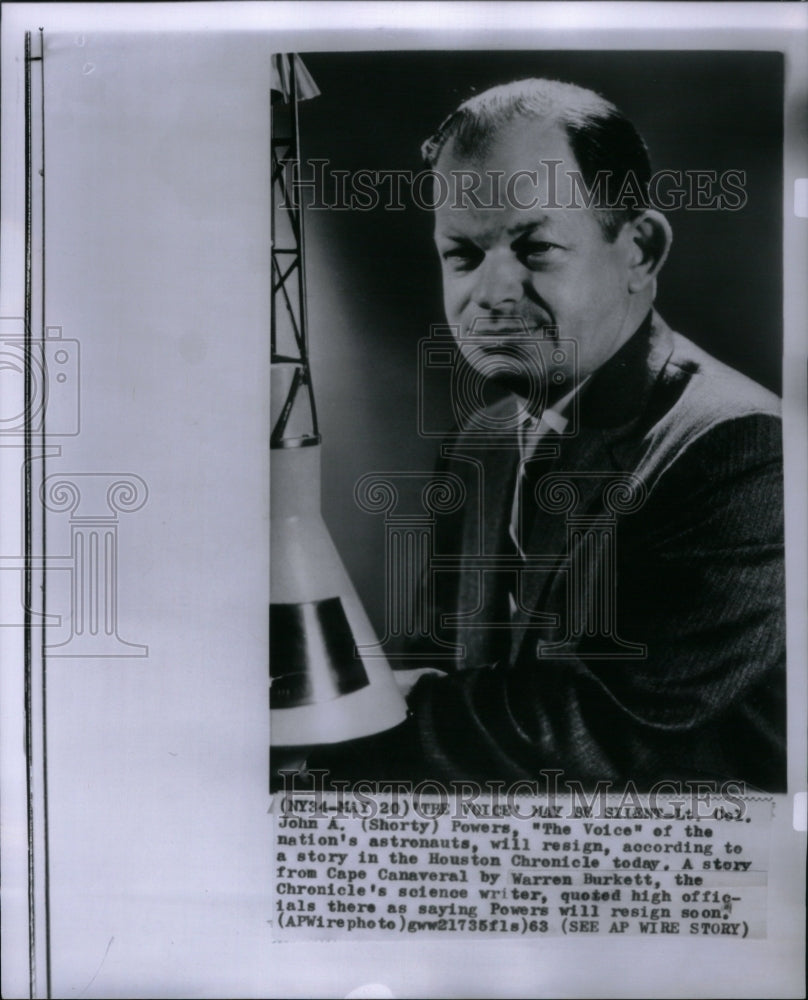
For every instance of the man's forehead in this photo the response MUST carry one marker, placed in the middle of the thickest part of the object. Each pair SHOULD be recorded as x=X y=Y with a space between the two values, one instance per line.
x=461 y=221
x=522 y=173
x=520 y=144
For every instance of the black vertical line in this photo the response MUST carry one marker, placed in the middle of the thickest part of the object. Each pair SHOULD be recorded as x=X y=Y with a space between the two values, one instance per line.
x=42 y=170
x=272 y=235
x=301 y=267
x=27 y=588
x=43 y=657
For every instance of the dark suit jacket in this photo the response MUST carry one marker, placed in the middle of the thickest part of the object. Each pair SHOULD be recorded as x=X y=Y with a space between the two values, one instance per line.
x=650 y=639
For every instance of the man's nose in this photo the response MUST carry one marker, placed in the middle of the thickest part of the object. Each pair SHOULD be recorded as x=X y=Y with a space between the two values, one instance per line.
x=499 y=282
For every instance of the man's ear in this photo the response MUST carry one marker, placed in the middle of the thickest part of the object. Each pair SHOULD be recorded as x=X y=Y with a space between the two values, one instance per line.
x=651 y=237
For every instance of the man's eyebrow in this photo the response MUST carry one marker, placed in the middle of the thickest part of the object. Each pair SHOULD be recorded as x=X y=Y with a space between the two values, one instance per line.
x=525 y=227
x=516 y=230
x=453 y=238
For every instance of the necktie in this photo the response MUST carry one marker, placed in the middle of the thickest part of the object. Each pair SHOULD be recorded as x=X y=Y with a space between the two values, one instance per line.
x=536 y=452
x=536 y=459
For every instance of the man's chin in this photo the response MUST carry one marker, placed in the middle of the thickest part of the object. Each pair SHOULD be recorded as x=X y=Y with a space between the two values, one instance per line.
x=501 y=376
x=515 y=384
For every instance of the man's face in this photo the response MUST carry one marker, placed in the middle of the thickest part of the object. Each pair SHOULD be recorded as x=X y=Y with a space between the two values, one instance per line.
x=509 y=269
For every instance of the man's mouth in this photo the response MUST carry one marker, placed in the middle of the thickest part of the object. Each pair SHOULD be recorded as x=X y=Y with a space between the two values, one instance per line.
x=509 y=334
x=505 y=331
x=509 y=328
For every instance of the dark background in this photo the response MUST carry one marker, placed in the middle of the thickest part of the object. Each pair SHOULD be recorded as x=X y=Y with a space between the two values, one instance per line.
x=374 y=277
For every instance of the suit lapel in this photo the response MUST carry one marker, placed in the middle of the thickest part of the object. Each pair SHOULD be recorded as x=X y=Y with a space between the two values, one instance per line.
x=548 y=534
x=490 y=479
x=611 y=408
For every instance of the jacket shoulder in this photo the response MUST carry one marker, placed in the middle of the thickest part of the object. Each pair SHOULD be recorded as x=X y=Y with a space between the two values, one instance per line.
x=711 y=391
x=700 y=406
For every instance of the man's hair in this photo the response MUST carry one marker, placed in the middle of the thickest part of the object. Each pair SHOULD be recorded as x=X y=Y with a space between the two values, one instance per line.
x=599 y=134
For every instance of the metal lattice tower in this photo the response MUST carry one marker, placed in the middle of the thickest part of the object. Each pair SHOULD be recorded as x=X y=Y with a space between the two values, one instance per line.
x=295 y=418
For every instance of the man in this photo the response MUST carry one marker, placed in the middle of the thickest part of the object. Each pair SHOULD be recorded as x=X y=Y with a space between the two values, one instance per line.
x=617 y=607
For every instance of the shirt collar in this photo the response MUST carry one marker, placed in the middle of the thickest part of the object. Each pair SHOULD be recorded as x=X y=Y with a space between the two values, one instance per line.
x=551 y=419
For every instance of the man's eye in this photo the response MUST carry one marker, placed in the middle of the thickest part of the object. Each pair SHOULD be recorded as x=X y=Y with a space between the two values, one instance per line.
x=536 y=253
x=462 y=259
